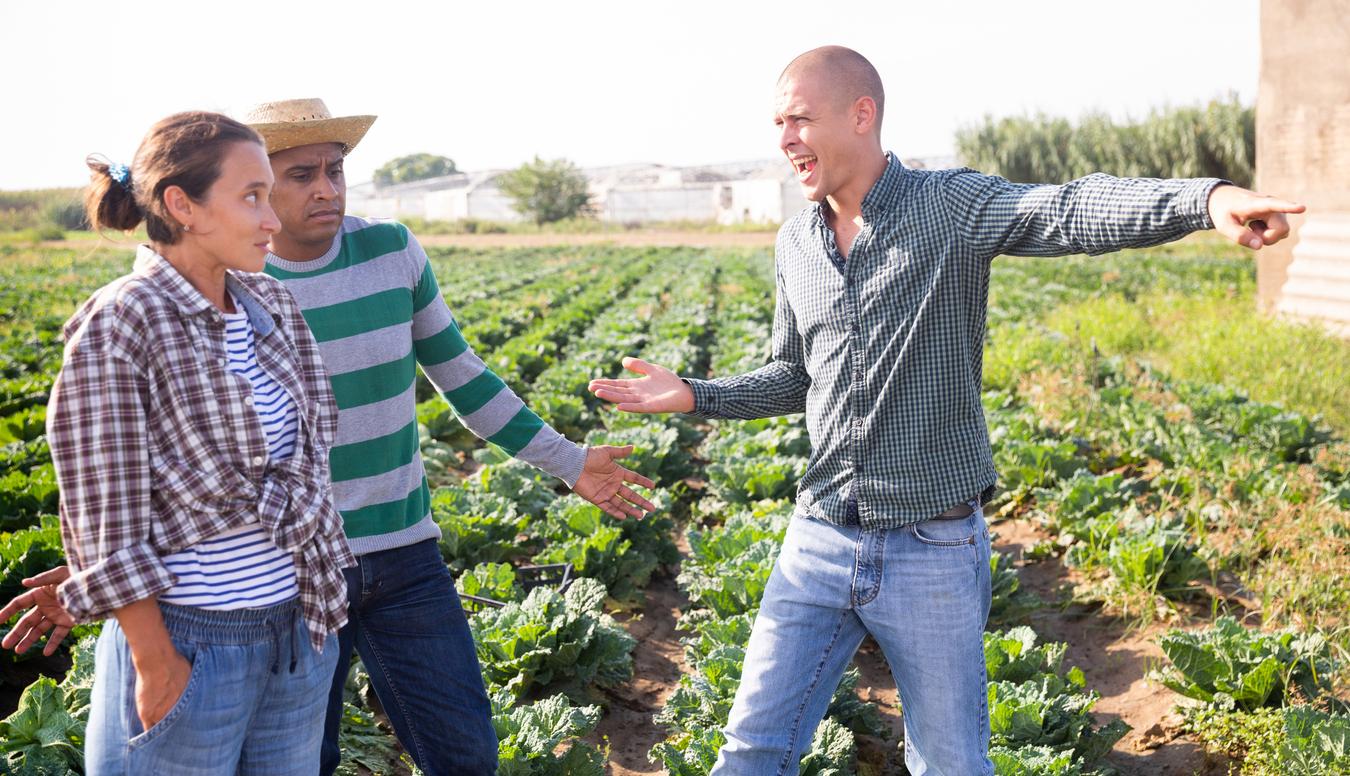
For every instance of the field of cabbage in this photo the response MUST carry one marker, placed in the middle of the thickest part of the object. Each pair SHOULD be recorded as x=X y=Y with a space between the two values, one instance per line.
x=1175 y=477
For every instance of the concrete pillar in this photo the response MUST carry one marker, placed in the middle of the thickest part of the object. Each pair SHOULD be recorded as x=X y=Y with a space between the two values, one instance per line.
x=1303 y=153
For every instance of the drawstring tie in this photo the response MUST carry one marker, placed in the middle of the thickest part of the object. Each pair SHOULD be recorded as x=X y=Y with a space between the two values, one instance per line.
x=276 y=627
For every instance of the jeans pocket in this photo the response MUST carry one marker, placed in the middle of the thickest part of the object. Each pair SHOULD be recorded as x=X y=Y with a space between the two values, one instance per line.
x=947 y=533
x=179 y=708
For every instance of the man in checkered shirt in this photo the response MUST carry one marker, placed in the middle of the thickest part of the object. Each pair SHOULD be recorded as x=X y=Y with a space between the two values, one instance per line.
x=878 y=337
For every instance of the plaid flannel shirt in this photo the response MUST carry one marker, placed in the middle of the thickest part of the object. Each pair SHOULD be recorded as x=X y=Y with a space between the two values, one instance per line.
x=157 y=446
x=884 y=351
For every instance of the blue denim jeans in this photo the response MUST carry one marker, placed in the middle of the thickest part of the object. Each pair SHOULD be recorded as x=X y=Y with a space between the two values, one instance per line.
x=253 y=704
x=922 y=591
x=405 y=621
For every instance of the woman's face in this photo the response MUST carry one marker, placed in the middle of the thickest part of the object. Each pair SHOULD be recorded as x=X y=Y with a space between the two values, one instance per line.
x=236 y=219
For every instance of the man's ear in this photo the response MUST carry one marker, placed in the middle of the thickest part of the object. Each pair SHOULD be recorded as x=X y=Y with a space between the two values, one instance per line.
x=864 y=115
x=179 y=204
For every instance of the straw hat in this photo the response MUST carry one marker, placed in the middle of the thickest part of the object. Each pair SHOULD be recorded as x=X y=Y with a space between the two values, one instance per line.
x=291 y=123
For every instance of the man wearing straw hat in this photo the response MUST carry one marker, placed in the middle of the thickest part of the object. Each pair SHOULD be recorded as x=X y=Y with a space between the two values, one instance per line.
x=370 y=297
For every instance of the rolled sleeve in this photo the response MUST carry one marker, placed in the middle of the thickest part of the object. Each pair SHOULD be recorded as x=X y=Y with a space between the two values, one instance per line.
x=124 y=577
x=97 y=431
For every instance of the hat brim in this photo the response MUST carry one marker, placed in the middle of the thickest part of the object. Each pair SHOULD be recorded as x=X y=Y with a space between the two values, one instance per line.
x=345 y=130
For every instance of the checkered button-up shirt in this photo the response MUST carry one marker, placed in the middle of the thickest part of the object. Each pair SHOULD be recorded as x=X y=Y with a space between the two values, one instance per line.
x=884 y=351
x=157 y=446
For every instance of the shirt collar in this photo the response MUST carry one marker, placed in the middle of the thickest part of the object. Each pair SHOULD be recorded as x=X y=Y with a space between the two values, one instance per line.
x=884 y=195
x=190 y=301
x=886 y=192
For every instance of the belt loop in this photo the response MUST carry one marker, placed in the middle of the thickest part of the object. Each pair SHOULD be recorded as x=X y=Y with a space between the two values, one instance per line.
x=851 y=511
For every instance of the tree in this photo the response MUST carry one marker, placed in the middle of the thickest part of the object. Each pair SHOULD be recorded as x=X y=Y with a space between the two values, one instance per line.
x=547 y=191
x=414 y=167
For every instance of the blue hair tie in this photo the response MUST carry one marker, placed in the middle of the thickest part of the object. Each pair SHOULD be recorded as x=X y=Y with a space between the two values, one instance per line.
x=120 y=173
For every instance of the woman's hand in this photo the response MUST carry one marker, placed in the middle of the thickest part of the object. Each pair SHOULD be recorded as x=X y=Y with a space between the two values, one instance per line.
x=159 y=685
x=161 y=672
x=46 y=613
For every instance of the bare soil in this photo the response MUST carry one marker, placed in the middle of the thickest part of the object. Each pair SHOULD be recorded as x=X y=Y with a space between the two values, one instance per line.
x=1116 y=660
x=658 y=662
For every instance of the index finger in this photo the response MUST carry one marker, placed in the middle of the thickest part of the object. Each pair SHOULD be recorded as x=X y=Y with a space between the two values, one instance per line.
x=1254 y=208
x=49 y=577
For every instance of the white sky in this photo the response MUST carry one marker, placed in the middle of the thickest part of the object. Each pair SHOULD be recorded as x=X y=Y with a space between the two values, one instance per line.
x=492 y=83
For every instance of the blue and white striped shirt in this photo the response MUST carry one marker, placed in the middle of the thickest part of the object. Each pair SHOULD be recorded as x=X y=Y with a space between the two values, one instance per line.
x=242 y=568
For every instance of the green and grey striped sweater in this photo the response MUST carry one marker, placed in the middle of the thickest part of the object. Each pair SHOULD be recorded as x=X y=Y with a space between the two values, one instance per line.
x=376 y=311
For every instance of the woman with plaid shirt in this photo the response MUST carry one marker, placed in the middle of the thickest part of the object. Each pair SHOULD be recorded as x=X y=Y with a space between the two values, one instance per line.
x=189 y=428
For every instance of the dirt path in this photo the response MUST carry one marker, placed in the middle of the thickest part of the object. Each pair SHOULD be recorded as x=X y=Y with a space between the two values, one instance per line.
x=658 y=663
x=1115 y=660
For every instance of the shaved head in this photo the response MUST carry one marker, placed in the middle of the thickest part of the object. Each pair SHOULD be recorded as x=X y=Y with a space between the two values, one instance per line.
x=847 y=72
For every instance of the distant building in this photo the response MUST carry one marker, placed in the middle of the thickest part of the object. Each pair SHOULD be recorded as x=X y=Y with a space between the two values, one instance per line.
x=762 y=191
x=1303 y=154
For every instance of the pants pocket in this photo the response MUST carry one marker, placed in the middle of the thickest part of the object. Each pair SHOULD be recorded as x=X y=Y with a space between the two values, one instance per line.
x=180 y=707
x=950 y=533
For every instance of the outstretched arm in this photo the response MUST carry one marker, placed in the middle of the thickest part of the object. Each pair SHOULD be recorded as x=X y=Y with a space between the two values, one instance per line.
x=493 y=412
x=1100 y=213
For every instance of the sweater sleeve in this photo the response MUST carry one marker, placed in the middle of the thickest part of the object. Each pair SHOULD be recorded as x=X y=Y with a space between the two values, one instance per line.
x=478 y=396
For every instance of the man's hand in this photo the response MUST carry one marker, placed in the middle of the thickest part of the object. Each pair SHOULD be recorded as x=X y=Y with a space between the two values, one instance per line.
x=658 y=390
x=45 y=615
x=1250 y=219
x=602 y=482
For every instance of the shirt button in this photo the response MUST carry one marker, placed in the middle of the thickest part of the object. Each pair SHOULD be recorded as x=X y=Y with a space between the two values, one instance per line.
x=257 y=460
x=248 y=400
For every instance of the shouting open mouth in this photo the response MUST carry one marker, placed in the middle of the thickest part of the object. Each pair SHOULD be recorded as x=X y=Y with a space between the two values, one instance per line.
x=804 y=165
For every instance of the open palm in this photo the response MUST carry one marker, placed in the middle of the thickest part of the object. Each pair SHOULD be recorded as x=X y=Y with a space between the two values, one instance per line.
x=604 y=483
x=658 y=390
